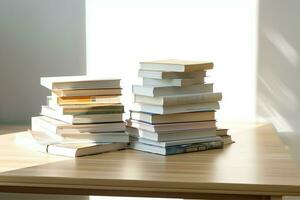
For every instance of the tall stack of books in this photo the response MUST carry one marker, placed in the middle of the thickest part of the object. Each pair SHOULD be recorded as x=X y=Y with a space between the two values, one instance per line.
x=174 y=110
x=84 y=115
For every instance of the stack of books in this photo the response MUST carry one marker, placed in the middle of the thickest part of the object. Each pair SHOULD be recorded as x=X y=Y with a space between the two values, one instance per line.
x=174 y=109
x=81 y=113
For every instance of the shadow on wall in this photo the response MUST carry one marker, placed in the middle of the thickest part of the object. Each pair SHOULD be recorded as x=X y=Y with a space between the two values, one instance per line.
x=278 y=72
x=37 y=38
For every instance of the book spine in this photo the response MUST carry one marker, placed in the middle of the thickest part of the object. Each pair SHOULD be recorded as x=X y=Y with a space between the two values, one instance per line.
x=178 y=149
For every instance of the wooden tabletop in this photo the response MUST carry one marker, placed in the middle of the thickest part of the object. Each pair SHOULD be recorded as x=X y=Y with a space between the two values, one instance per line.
x=257 y=164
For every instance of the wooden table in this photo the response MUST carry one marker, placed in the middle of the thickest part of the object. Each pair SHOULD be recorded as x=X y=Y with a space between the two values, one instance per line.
x=257 y=166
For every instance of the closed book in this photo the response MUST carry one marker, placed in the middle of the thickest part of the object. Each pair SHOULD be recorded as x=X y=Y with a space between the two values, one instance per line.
x=222 y=131
x=78 y=82
x=154 y=91
x=227 y=139
x=171 y=75
x=175 y=142
x=71 y=148
x=171 y=135
x=99 y=137
x=171 y=126
x=81 y=119
x=87 y=100
x=155 y=109
x=60 y=127
x=172 y=82
x=172 y=118
x=86 y=109
x=106 y=137
x=88 y=92
x=179 y=99
x=174 y=65
x=176 y=149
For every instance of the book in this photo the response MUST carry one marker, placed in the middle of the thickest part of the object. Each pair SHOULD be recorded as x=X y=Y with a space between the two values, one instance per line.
x=60 y=127
x=78 y=82
x=86 y=100
x=172 y=118
x=175 y=142
x=87 y=109
x=154 y=91
x=171 y=75
x=172 y=82
x=227 y=139
x=155 y=109
x=176 y=65
x=171 y=126
x=107 y=137
x=87 y=92
x=81 y=119
x=222 y=132
x=172 y=135
x=179 y=99
x=70 y=148
x=176 y=149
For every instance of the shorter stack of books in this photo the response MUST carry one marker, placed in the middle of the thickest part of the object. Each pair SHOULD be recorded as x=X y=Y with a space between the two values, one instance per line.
x=83 y=111
x=174 y=110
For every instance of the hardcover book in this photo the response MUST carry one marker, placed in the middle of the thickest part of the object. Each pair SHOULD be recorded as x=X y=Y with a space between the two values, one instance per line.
x=174 y=65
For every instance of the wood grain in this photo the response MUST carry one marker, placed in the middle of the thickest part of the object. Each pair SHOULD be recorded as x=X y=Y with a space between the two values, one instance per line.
x=258 y=165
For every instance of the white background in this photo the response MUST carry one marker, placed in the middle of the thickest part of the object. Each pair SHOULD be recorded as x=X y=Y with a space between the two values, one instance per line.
x=120 y=34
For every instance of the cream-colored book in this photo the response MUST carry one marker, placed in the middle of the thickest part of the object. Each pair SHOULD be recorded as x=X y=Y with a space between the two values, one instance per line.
x=81 y=119
x=155 y=109
x=171 y=135
x=78 y=82
x=155 y=91
x=172 y=118
x=171 y=75
x=172 y=126
x=60 y=127
x=179 y=99
x=176 y=65
x=172 y=82
x=71 y=148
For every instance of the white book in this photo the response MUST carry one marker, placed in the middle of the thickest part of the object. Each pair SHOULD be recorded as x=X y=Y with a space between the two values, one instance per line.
x=100 y=137
x=172 y=118
x=155 y=109
x=176 y=65
x=176 y=149
x=78 y=82
x=187 y=126
x=176 y=142
x=153 y=91
x=60 y=127
x=172 y=135
x=171 y=75
x=172 y=82
x=71 y=148
x=105 y=137
x=81 y=119
x=179 y=99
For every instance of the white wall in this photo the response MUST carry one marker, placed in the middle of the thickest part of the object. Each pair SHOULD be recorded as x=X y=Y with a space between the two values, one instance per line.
x=122 y=33
x=37 y=38
x=278 y=70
